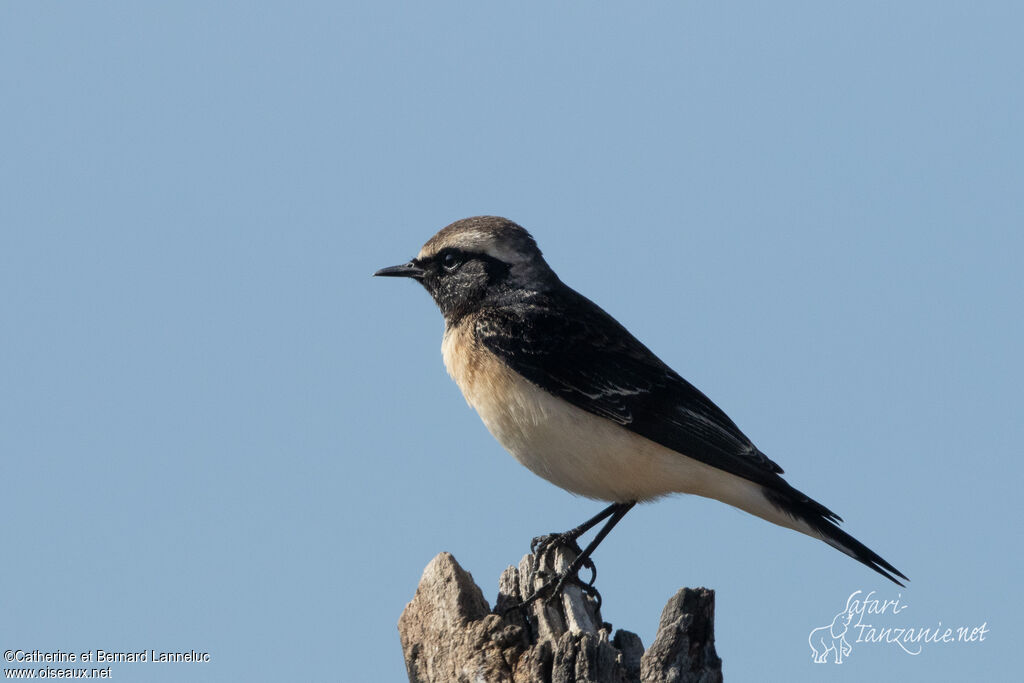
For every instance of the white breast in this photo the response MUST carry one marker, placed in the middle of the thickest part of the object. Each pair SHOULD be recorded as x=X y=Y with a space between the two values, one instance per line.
x=580 y=452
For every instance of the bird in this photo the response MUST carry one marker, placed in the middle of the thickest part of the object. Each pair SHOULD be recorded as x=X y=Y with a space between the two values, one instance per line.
x=581 y=402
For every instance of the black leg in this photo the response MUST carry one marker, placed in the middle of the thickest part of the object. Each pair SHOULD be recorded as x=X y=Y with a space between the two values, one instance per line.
x=543 y=544
x=618 y=511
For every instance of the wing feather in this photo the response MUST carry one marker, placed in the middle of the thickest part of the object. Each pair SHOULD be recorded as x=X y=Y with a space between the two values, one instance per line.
x=590 y=360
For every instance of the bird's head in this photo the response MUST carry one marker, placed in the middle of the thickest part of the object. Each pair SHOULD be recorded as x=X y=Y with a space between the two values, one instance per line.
x=475 y=262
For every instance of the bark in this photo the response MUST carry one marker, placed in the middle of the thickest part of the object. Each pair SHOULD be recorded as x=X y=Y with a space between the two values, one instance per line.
x=450 y=633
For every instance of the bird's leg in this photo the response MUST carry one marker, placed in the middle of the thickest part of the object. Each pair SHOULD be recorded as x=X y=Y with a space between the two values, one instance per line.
x=583 y=559
x=541 y=545
x=544 y=544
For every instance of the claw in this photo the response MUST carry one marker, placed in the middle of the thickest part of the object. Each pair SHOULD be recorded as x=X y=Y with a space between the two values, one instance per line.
x=589 y=564
x=554 y=587
x=543 y=545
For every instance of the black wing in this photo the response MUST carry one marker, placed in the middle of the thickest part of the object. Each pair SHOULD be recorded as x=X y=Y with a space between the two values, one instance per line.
x=568 y=346
x=586 y=357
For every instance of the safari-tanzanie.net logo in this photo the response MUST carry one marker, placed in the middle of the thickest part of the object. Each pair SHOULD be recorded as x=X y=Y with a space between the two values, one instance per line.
x=867 y=620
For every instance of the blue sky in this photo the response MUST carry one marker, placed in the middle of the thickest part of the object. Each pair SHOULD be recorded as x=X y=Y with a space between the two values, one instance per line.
x=218 y=432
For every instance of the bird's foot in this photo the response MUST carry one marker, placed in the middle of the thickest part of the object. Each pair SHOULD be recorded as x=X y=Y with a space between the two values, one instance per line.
x=543 y=549
x=543 y=546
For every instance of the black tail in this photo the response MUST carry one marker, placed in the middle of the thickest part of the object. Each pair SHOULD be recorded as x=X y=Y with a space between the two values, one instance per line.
x=825 y=523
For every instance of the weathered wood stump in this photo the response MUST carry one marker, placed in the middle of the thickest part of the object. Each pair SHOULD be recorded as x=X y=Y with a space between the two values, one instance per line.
x=450 y=633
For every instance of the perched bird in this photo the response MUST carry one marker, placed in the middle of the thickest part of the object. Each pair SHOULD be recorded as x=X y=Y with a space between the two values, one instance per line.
x=577 y=399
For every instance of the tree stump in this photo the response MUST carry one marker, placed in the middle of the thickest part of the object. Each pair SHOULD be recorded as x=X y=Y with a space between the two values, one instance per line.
x=450 y=633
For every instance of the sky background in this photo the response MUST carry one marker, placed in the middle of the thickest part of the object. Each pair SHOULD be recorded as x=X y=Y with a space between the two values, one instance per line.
x=218 y=432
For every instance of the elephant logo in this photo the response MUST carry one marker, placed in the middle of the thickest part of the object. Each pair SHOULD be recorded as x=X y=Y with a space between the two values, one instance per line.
x=832 y=638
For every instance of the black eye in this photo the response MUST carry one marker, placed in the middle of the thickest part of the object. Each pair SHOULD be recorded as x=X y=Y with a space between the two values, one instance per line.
x=451 y=260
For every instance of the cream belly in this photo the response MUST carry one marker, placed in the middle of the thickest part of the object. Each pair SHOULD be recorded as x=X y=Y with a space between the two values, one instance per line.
x=580 y=452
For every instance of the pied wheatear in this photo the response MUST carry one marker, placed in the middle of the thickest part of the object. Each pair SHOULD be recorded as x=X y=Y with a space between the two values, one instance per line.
x=577 y=399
